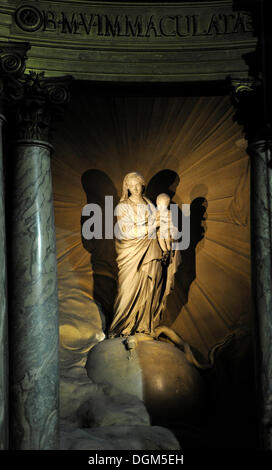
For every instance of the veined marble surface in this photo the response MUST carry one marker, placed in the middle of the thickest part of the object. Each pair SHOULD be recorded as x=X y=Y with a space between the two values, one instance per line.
x=3 y=313
x=34 y=317
x=261 y=224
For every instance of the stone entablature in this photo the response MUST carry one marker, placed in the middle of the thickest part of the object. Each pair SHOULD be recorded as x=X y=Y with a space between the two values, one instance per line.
x=113 y=41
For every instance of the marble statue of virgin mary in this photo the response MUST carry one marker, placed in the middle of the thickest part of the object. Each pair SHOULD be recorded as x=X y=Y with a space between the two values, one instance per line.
x=144 y=281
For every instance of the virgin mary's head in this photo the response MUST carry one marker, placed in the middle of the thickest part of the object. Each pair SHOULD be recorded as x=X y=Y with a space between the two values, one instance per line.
x=130 y=180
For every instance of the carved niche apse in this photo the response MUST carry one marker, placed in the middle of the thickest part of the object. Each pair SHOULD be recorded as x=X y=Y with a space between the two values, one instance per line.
x=189 y=147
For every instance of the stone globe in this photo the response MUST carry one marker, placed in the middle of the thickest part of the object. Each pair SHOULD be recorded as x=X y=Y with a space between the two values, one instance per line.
x=157 y=372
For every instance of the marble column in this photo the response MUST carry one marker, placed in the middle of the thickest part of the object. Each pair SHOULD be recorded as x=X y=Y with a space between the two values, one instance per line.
x=3 y=310
x=12 y=66
x=261 y=222
x=34 y=363
x=250 y=101
x=34 y=317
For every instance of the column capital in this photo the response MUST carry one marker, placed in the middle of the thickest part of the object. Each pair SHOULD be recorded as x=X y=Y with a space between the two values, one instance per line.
x=248 y=100
x=35 y=101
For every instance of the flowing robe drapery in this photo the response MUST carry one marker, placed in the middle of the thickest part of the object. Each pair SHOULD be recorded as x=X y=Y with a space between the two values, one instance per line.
x=143 y=281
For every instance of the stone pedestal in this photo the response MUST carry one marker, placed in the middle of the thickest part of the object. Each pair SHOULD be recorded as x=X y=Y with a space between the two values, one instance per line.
x=34 y=316
x=3 y=311
x=261 y=204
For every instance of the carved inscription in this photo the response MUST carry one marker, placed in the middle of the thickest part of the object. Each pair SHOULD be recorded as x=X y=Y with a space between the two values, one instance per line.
x=31 y=19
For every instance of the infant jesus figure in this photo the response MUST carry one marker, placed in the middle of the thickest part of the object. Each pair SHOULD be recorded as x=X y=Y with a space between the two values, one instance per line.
x=166 y=225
